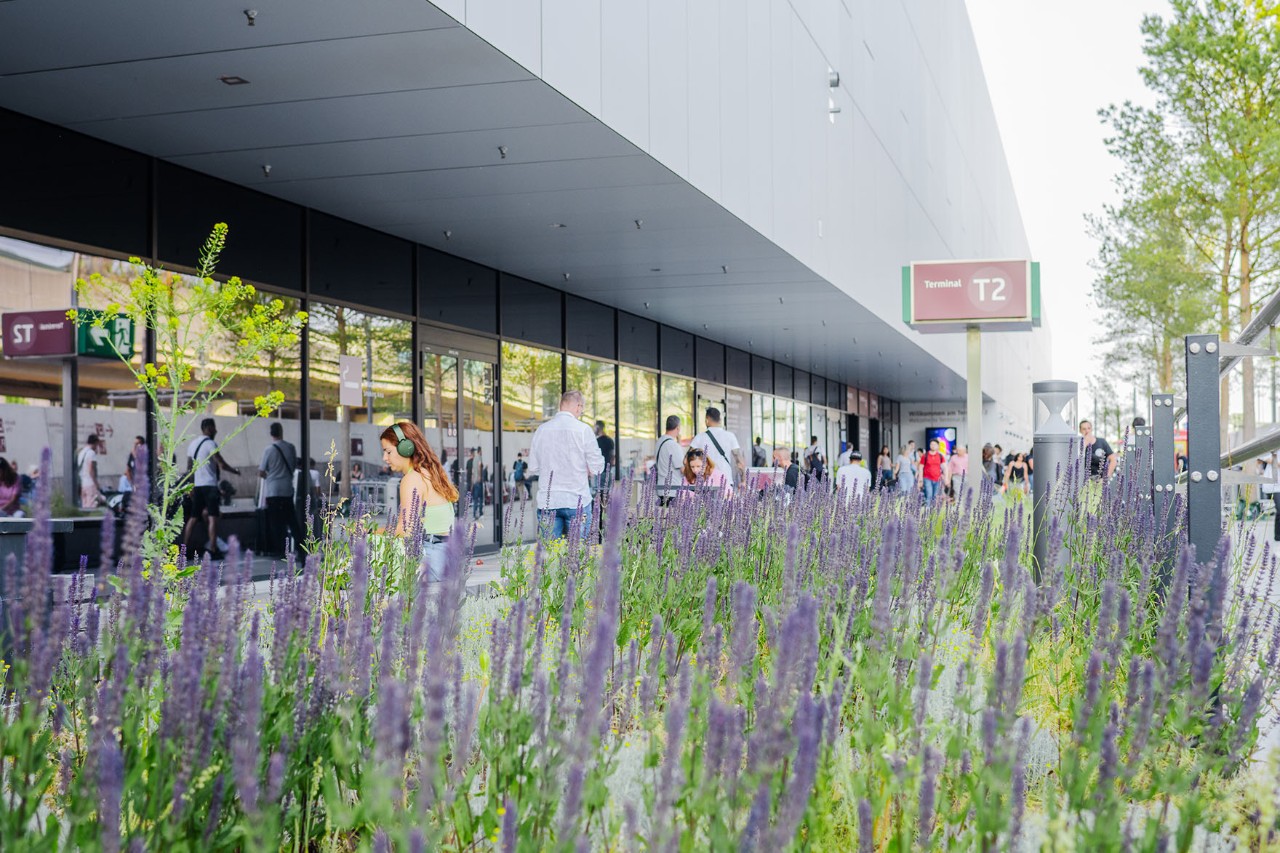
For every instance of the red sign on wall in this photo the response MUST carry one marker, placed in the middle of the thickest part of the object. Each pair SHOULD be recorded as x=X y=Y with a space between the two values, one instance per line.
x=965 y=293
x=29 y=334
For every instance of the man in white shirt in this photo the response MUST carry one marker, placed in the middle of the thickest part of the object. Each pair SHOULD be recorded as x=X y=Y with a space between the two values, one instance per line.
x=668 y=462
x=815 y=458
x=204 y=462
x=721 y=447
x=565 y=456
x=854 y=478
x=87 y=468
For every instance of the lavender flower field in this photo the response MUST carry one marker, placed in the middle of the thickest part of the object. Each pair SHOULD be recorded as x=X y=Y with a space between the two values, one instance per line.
x=763 y=672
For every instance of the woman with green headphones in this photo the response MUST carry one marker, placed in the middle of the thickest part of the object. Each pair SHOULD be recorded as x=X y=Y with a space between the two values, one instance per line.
x=425 y=491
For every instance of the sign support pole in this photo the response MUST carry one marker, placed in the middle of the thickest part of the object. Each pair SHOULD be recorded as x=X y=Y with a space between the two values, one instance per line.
x=70 y=486
x=973 y=405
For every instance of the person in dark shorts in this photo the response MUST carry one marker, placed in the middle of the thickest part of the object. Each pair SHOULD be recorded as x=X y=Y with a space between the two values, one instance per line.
x=204 y=463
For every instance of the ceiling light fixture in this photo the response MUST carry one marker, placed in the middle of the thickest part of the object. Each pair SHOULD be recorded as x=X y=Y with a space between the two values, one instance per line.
x=655 y=269
x=646 y=305
x=502 y=151
x=780 y=302
x=558 y=225
x=724 y=269
x=252 y=15
x=448 y=234
x=639 y=224
x=233 y=80
x=566 y=276
x=266 y=170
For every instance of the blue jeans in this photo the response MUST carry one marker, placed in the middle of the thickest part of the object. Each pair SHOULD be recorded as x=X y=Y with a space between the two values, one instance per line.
x=931 y=489
x=555 y=522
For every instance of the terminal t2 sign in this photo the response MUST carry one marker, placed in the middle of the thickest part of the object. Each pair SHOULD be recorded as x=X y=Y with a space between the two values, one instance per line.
x=997 y=295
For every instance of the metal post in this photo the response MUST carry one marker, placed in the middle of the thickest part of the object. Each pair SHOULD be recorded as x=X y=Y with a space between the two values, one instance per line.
x=1138 y=465
x=1204 y=492
x=973 y=399
x=70 y=403
x=1163 y=476
x=1055 y=451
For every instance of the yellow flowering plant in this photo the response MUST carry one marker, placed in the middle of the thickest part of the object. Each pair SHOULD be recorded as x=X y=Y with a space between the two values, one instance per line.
x=187 y=315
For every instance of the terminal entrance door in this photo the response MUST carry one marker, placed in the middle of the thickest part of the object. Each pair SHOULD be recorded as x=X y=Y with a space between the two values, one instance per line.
x=459 y=380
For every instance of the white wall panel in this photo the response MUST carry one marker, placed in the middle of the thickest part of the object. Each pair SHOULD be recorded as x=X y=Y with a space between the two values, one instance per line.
x=735 y=160
x=571 y=37
x=669 y=84
x=705 y=105
x=512 y=26
x=759 y=139
x=624 y=69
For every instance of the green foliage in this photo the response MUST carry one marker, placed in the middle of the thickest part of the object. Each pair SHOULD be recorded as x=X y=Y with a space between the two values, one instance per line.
x=189 y=316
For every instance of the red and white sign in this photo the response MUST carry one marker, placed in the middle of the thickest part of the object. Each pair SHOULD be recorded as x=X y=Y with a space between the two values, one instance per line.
x=31 y=334
x=971 y=292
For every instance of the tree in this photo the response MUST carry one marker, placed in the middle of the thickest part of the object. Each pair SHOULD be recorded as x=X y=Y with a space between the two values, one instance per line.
x=1215 y=68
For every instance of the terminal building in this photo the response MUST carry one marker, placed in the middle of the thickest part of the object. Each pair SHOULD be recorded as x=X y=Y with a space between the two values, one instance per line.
x=668 y=205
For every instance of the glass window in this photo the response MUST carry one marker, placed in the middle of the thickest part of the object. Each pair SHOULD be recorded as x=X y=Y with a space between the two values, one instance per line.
x=784 y=424
x=638 y=427
x=802 y=427
x=344 y=435
x=599 y=389
x=440 y=408
x=530 y=394
x=677 y=399
x=479 y=478
x=800 y=387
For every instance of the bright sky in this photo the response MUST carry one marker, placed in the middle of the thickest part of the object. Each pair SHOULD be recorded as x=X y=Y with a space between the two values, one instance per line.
x=1049 y=68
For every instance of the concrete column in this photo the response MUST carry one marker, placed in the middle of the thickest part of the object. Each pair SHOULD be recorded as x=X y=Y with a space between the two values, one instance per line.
x=1055 y=445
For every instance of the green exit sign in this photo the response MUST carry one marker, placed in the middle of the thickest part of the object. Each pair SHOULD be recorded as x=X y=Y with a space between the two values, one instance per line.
x=96 y=341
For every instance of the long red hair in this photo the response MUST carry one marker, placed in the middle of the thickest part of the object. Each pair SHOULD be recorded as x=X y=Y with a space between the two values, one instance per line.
x=424 y=459
x=707 y=468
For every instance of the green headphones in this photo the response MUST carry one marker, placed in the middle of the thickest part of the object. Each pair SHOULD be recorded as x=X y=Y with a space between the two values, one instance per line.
x=404 y=446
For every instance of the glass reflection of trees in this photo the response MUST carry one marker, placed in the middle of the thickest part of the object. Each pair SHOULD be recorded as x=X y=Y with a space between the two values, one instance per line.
x=350 y=434
x=638 y=426
x=677 y=399
x=599 y=388
x=530 y=387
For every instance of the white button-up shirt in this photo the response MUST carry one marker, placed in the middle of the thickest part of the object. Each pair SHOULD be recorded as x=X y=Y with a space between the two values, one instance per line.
x=564 y=455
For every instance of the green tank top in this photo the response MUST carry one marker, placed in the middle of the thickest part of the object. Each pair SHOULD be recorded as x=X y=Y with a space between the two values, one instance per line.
x=437 y=520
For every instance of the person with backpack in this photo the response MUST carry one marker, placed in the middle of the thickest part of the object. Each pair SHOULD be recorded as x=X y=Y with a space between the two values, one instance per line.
x=931 y=464
x=721 y=447
x=668 y=462
x=204 y=462
x=276 y=470
x=815 y=460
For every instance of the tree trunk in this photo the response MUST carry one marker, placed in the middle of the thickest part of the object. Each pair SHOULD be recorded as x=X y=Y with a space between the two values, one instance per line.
x=1246 y=313
x=1224 y=329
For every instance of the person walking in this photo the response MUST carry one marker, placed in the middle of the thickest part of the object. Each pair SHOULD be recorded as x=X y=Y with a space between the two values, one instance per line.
x=854 y=478
x=758 y=457
x=204 y=463
x=565 y=456
x=667 y=464
x=815 y=458
x=605 y=443
x=931 y=466
x=276 y=470
x=884 y=467
x=721 y=446
x=519 y=473
x=1101 y=458
x=426 y=493
x=91 y=495
x=958 y=470
x=477 y=477
x=904 y=469
x=1017 y=474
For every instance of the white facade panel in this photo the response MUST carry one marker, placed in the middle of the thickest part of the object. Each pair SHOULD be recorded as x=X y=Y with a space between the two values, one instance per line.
x=512 y=26
x=571 y=49
x=624 y=69
x=734 y=98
